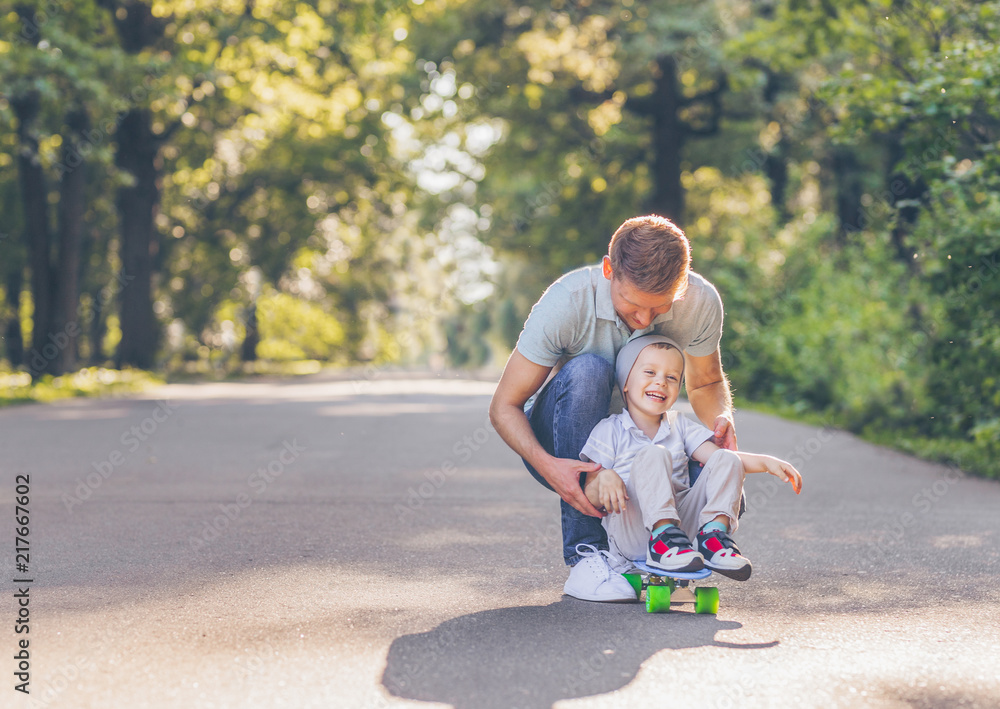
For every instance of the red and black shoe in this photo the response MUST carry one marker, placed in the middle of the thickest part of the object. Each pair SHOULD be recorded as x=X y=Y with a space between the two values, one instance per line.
x=671 y=550
x=723 y=556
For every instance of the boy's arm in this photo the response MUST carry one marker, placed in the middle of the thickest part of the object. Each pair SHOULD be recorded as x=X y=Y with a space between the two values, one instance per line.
x=756 y=463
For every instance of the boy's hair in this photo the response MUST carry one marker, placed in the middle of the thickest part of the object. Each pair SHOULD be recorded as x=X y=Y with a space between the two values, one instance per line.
x=652 y=254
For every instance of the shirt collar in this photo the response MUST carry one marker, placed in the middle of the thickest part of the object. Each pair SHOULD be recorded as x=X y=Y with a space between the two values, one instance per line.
x=661 y=433
x=605 y=308
x=665 y=317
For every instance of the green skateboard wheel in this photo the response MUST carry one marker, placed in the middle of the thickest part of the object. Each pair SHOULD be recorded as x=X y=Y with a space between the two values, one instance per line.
x=657 y=599
x=636 y=581
x=706 y=600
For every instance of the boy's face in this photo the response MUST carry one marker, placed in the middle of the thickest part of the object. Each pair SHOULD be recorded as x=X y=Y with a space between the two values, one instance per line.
x=654 y=383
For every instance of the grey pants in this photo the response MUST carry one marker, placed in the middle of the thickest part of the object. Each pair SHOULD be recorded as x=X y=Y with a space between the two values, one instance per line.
x=717 y=491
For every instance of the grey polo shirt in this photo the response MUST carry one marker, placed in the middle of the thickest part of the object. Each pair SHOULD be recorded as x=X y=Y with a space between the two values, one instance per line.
x=575 y=316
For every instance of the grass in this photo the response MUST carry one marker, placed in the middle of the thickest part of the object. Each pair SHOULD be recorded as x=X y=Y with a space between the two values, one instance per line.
x=970 y=456
x=18 y=388
x=203 y=370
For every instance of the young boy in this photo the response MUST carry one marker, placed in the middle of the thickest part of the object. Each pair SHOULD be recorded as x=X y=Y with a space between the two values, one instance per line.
x=643 y=453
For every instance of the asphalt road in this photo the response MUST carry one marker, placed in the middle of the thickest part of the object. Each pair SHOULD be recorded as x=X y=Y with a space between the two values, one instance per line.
x=373 y=543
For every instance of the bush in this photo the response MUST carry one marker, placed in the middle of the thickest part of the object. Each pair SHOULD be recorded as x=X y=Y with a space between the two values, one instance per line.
x=901 y=354
x=290 y=329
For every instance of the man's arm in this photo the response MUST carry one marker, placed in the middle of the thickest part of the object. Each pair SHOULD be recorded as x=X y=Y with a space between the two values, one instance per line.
x=708 y=392
x=521 y=378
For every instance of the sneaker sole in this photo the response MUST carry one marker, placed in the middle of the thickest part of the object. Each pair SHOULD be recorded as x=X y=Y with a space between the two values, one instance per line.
x=603 y=600
x=693 y=565
x=741 y=574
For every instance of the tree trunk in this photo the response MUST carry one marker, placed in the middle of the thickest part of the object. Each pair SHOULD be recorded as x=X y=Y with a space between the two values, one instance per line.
x=775 y=163
x=903 y=188
x=137 y=151
x=850 y=211
x=92 y=249
x=776 y=169
x=13 y=337
x=137 y=154
x=34 y=195
x=72 y=205
x=97 y=330
x=669 y=135
x=248 y=350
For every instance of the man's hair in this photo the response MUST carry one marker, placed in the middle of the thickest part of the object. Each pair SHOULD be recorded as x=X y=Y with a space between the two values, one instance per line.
x=652 y=254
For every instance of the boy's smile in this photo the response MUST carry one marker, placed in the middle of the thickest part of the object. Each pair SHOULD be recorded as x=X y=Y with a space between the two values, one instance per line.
x=654 y=383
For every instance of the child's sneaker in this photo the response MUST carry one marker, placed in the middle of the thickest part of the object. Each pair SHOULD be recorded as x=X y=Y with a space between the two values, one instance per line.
x=722 y=555
x=671 y=550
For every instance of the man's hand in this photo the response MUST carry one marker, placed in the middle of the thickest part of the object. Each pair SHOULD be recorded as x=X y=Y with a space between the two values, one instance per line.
x=724 y=435
x=563 y=475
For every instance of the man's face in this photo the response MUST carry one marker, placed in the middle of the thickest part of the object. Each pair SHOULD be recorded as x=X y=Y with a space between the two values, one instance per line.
x=636 y=308
x=654 y=383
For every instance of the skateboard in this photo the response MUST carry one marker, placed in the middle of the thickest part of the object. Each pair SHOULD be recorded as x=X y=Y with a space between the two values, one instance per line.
x=666 y=587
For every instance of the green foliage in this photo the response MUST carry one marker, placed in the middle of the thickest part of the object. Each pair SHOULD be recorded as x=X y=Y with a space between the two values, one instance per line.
x=17 y=387
x=393 y=181
x=289 y=329
x=294 y=329
x=892 y=331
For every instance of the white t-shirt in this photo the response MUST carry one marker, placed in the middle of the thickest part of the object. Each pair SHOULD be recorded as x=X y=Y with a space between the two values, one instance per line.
x=615 y=440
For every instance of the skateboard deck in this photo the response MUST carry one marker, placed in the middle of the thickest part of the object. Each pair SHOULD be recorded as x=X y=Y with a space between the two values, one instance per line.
x=665 y=587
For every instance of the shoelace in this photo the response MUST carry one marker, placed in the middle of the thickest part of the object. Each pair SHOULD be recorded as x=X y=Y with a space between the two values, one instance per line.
x=588 y=550
x=620 y=563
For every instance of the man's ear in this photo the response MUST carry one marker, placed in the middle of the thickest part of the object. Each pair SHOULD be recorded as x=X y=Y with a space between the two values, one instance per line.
x=606 y=266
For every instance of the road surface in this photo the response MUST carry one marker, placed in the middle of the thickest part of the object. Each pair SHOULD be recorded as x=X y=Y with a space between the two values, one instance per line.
x=322 y=542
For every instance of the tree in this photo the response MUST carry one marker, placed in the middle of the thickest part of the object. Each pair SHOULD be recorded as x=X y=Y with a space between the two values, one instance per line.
x=247 y=137
x=53 y=76
x=291 y=177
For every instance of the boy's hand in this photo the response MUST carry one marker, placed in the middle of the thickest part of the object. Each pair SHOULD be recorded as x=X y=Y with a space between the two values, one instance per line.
x=783 y=470
x=606 y=490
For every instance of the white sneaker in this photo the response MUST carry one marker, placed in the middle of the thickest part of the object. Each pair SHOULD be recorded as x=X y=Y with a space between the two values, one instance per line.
x=593 y=579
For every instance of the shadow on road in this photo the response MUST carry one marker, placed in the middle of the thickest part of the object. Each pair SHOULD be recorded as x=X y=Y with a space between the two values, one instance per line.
x=533 y=656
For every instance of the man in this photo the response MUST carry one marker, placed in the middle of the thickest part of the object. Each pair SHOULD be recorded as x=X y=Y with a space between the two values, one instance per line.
x=569 y=344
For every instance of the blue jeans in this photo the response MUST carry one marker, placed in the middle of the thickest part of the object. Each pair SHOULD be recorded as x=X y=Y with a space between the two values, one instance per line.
x=562 y=417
